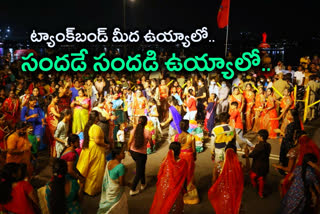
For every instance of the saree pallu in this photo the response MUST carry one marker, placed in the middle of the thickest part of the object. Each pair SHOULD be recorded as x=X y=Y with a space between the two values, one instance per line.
x=191 y=197
x=113 y=198
x=226 y=193
x=171 y=179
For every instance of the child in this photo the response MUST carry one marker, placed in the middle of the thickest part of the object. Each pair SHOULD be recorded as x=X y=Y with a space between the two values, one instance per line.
x=236 y=123
x=120 y=135
x=260 y=163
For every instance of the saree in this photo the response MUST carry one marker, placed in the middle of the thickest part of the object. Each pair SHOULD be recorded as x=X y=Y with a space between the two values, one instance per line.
x=258 y=106
x=171 y=179
x=210 y=117
x=226 y=193
x=249 y=98
x=73 y=205
x=52 y=122
x=139 y=106
x=80 y=115
x=11 y=111
x=191 y=197
x=176 y=118
x=232 y=99
x=92 y=162
x=113 y=198
x=307 y=145
x=285 y=104
x=266 y=115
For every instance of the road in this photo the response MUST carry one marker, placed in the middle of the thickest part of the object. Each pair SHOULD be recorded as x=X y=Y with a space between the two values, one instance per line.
x=141 y=203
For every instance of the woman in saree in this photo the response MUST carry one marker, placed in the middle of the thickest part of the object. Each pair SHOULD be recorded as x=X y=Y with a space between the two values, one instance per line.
x=188 y=153
x=286 y=104
x=62 y=193
x=52 y=121
x=211 y=113
x=303 y=193
x=268 y=115
x=171 y=183
x=304 y=145
x=70 y=155
x=104 y=117
x=174 y=119
x=92 y=158
x=226 y=192
x=287 y=138
x=258 y=107
x=113 y=197
x=10 y=108
x=236 y=96
x=64 y=97
x=163 y=93
x=249 y=98
x=80 y=107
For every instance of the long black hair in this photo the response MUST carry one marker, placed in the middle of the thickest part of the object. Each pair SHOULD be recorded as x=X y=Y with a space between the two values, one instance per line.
x=176 y=148
x=64 y=113
x=48 y=102
x=93 y=117
x=184 y=125
x=116 y=151
x=57 y=197
x=8 y=176
x=139 y=132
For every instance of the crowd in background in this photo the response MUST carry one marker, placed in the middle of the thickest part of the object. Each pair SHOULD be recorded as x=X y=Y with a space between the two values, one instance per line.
x=81 y=119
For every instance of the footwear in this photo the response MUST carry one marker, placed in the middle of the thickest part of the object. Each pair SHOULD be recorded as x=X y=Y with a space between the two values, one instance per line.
x=142 y=187
x=132 y=193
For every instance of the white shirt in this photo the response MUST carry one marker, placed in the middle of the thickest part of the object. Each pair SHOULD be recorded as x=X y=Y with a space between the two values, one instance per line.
x=278 y=69
x=120 y=136
x=299 y=77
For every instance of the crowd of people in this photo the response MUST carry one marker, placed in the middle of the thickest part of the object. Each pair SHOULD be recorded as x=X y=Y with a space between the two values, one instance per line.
x=81 y=119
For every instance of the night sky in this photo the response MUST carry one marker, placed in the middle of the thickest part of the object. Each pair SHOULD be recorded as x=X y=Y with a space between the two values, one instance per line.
x=296 y=20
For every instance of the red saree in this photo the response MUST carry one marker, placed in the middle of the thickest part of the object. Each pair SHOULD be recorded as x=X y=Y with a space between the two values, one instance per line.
x=226 y=193
x=258 y=106
x=249 y=98
x=11 y=110
x=266 y=115
x=171 y=178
